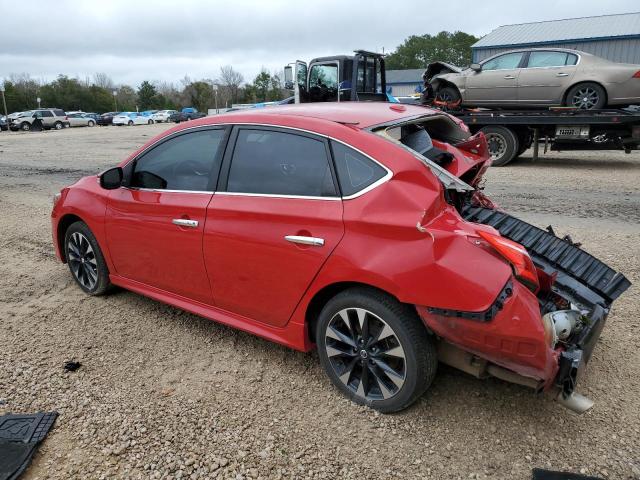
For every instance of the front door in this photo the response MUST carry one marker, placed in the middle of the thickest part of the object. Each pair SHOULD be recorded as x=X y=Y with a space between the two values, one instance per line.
x=547 y=76
x=278 y=220
x=154 y=226
x=496 y=83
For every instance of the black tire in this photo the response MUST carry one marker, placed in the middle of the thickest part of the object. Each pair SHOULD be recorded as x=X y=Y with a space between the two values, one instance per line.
x=150 y=122
x=87 y=265
x=58 y=126
x=130 y=122
x=91 y=123
x=415 y=368
x=503 y=144
x=586 y=96
x=25 y=126
x=451 y=95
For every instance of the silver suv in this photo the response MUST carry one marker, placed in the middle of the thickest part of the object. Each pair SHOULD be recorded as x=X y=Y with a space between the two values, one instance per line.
x=48 y=118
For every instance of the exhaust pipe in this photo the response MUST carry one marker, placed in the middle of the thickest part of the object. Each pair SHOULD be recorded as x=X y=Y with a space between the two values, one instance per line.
x=575 y=402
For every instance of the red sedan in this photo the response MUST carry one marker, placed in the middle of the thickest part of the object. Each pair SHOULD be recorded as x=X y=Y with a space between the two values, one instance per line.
x=356 y=229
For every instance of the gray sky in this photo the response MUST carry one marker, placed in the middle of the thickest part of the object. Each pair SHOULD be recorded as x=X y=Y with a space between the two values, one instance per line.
x=163 y=40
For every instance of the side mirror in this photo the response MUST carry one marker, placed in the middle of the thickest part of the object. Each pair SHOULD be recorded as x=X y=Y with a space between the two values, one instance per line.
x=476 y=67
x=111 y=179
x=288 y=77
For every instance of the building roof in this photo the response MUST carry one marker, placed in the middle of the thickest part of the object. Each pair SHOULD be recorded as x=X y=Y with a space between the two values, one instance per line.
x=571 y=29
x=413 y=75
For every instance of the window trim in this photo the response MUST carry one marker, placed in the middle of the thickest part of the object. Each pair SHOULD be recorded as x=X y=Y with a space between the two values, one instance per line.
x=229 y=127
x=130 y=166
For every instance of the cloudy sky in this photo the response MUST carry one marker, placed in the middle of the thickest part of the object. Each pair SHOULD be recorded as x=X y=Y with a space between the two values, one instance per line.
x=165 y=40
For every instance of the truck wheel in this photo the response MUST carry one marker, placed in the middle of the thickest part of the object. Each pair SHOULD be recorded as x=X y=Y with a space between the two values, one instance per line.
x=586 y=96
x=375 y=350
x=503 y=144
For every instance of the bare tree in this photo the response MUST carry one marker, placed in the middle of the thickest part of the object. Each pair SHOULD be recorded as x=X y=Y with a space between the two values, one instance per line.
x=103 y=80
x=231 y=80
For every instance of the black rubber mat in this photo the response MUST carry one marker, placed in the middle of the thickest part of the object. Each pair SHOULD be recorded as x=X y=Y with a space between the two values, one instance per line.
x=20 y=436
x=542 y=474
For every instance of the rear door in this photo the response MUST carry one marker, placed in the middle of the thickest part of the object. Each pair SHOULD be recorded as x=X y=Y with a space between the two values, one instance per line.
x=546 y=77
x=273 y=225
x=496 y=83
x=154 y=225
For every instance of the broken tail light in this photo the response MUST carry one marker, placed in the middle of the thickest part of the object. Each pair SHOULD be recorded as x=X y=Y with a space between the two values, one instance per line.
x=517 y=256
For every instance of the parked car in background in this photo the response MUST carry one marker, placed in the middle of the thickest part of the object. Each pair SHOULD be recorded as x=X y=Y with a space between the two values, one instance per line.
x=536 y=77
x=82 y=119
x=106 y=118
x=131 y=118
x=4 y=125
x=162 y=115
x=372 y=244
x=48 y=118
x=185 y=115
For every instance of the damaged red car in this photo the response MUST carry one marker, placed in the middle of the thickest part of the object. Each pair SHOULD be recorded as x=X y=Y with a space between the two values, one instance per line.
x=357 y=229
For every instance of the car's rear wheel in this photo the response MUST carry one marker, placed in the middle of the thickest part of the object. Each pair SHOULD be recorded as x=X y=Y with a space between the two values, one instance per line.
x=58 y=126
x=587 y=96
x=503 y=144
x=130 y=122
x=85 y=259
x=375 y=350
x=91 y=123
x=150 y=122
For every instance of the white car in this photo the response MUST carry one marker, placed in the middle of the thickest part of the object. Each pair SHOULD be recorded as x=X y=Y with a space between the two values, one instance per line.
x=131 y=118
x=163 y=115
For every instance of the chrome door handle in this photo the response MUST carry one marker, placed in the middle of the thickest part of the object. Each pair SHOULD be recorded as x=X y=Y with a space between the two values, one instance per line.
x=315 y=241
x=562 y=74
x=183 y=222
x=509 y=77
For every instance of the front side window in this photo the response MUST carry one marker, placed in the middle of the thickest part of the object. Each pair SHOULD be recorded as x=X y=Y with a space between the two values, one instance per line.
x=504 y=62
x=278 y=163
x=355 y=171
x=186 y=162
x=551 y=59
x=323 y=83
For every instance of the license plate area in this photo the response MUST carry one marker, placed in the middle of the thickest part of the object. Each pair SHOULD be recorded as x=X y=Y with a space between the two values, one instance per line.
x=574 y=132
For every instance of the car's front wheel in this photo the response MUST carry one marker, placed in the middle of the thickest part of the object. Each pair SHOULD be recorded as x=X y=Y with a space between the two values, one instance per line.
x=130 y=122
x=150 y=122
x=85 y=259
x=375 y=350
x=25 y=126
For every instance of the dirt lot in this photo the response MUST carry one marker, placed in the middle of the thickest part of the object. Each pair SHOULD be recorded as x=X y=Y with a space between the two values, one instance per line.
x=165 y=394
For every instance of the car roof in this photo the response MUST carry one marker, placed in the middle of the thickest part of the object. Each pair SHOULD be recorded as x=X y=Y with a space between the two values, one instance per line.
x=360 y=115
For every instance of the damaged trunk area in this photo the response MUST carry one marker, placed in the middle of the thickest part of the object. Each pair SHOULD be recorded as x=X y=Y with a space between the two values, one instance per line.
x=575 y=295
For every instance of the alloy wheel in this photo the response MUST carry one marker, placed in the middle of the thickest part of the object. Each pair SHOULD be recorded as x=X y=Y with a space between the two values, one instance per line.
x=82 y=260
x=586 y=98
x=365 y=354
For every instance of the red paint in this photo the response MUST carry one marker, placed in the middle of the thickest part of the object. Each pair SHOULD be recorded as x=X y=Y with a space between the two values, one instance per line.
x=401 y=237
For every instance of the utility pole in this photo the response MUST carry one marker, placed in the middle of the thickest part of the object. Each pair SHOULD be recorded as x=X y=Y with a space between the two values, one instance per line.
x=215 y=91
x=4 y=101
x=115 y=101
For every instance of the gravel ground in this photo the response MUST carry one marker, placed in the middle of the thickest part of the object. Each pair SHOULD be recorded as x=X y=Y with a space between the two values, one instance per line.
x=165 y=394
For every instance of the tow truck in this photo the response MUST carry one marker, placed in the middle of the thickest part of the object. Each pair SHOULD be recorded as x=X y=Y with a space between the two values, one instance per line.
x=361 y=77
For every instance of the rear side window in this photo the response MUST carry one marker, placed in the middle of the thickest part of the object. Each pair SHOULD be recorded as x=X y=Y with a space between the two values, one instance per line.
x=186 y=162
x=46 y=113
x=278 y=163
x=355 y=171
x=59 y=113
x=551 y=59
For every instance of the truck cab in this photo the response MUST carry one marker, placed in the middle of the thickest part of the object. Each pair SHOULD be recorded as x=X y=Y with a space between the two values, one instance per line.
x=340 y=78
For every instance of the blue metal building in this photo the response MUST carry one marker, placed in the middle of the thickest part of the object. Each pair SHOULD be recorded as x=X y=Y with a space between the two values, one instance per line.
x=614 y=37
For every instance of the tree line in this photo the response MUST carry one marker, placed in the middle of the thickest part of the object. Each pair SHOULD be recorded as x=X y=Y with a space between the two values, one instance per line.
x=101 y=94
x=97 y=94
